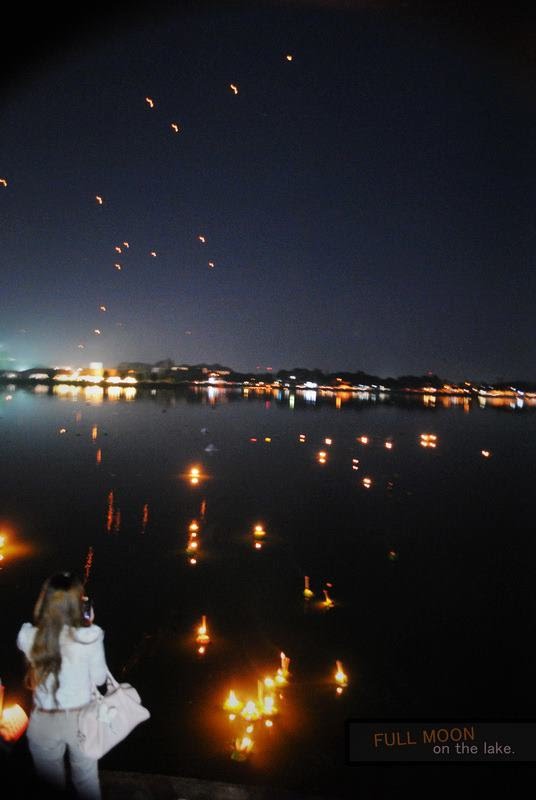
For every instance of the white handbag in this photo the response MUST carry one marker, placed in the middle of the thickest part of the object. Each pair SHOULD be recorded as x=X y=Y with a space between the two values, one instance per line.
x=109 y=718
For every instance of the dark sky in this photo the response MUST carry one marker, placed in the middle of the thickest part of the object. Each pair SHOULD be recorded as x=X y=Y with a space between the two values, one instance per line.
x=368 y=204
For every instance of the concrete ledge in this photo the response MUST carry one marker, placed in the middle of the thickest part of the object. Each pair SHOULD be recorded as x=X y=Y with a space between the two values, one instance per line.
x=140 y=786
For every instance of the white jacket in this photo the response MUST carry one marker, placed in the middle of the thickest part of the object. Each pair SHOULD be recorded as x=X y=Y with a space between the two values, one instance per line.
x=83 y=666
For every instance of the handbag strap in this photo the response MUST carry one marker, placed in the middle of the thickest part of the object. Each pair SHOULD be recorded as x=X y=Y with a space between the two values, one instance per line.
x=110 y=681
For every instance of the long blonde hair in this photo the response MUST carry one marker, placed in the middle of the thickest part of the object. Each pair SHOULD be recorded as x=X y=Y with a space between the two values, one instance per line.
x=59 y=603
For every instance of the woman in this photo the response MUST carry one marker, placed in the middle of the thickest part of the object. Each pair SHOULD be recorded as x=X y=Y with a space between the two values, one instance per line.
x=65 y=662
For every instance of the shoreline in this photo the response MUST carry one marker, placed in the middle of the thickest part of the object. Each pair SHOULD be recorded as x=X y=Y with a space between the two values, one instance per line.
x=263 y=386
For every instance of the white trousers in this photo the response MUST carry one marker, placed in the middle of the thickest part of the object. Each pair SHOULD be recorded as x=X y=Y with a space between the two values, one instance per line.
x=49 y=737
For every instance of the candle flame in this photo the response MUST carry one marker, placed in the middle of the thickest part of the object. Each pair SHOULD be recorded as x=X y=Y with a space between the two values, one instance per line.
x=232 y=702
x=250 y=712
x=340 y=676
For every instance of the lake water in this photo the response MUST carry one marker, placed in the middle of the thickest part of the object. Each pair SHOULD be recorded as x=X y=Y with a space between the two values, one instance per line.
x=430 y=566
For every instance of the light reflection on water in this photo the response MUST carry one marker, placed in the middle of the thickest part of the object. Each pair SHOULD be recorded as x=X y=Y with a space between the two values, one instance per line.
x=214 y=395
x=406 y=541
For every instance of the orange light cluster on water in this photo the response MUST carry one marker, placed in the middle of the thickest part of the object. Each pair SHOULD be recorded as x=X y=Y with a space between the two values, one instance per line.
x=428 y=440
x=341 y=678
x=193 y=543
x=328 y=601
x=202 y=637
x=259 y=710
x=195 y=475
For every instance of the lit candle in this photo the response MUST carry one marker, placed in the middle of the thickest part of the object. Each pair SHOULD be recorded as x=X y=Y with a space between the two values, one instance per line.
x=232 y=703
x=307 y=592
x=280 y=678
x=242 y=748
x=328 y=602
x=202 y=637
x=268 y=706
x=250 y=712
x=341 y=679
x=285 y=662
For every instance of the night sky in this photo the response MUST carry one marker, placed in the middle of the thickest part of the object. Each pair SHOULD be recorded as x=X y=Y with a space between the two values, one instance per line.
x=367 y=204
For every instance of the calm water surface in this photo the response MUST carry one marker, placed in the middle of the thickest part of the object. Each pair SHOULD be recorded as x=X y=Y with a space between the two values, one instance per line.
x=430 y=568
